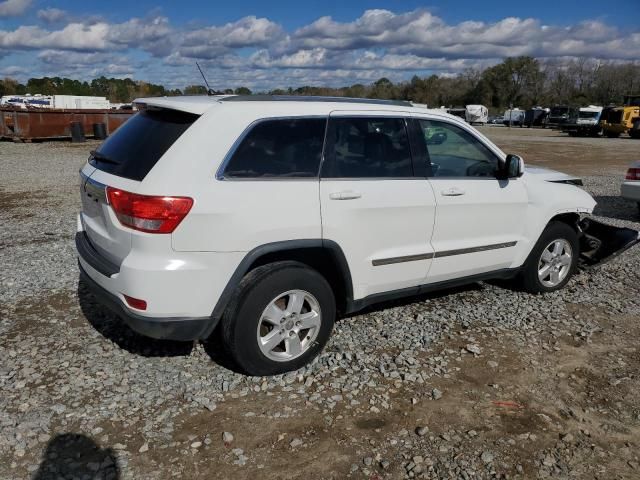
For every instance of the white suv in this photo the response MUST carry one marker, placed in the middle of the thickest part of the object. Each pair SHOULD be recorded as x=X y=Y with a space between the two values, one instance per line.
x=270 y=216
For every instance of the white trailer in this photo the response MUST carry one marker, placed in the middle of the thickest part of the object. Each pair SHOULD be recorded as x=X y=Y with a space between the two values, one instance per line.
x=514 y=117
x=79 y=102
x=476 y=114
x=64 y=102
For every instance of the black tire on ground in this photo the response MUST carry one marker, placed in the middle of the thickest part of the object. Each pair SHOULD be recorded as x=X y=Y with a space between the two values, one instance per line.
x=255 y=292
x=555 y=230
x=612 y=134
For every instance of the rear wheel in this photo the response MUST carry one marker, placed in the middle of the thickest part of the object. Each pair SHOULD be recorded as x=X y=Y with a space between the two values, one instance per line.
x=280 y=318
x=553 y=259
x=612 y=134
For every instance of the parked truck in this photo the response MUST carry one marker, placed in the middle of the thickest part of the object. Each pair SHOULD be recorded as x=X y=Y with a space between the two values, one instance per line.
x=558 y=116
x=584 y=121
x=621 y=120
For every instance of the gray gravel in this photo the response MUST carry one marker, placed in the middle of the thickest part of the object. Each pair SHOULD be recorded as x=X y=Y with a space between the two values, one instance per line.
x=69 y=365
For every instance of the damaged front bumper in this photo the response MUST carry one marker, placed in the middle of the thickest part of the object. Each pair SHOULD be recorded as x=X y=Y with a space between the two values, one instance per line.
x=600 y=242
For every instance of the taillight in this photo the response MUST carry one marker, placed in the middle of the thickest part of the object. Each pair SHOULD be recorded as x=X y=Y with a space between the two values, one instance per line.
x=152 y=214
x=633 y=174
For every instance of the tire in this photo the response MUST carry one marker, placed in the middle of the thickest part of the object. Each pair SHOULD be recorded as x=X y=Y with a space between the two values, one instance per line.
x=612 y=134
x=555 y=233
x=277 y=285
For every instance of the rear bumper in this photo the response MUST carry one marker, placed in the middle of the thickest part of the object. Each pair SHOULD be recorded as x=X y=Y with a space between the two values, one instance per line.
x=630 y=191
x=182 y=329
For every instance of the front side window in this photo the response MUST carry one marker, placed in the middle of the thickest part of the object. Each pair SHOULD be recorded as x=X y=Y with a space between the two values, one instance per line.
x=279 y=148
x=368 y=148
x=454 y=152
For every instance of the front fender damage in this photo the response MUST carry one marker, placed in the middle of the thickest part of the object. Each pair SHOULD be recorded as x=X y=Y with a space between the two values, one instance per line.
x=600 y=242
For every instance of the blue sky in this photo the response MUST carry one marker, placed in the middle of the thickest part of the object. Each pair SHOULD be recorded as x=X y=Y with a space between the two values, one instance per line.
x=291 y=43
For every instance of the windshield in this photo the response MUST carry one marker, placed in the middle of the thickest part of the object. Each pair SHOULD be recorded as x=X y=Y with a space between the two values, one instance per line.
x=134 y=149
x=588 y=114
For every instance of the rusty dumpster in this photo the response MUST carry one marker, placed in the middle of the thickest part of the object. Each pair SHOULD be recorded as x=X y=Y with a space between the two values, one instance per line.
x=40 y=124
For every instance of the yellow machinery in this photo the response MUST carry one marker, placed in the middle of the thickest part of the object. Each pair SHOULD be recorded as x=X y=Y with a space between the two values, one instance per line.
x=619 y=120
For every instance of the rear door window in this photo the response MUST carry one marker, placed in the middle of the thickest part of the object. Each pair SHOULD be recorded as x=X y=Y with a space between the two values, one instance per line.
x=134 y=149
x=282 y=148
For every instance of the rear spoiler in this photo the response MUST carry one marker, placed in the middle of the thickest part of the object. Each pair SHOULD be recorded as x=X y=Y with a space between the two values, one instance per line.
x=600 y=243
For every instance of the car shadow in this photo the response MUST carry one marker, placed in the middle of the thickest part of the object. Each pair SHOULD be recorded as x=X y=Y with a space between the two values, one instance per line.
x=73 y=455
x=614 y=206
x=112 y=328
x=215 y=349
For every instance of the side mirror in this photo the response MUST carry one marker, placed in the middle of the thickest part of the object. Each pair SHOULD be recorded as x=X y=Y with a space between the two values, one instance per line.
x=513 y=167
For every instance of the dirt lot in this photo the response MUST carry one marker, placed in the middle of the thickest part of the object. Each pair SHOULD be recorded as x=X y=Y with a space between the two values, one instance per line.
x=477 y=382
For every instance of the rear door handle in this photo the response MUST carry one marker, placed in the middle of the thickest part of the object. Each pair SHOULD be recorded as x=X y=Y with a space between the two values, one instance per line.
x=345 y=195
x=452 y=192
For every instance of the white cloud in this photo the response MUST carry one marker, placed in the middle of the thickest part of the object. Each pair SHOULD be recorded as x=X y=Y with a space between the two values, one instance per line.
x=259 y=52
x=211 y=41
x=52 y=15
x=13 y=8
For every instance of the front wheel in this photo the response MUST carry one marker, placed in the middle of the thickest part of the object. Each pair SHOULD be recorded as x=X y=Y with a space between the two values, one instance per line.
x=280 y=318
x=553 y=260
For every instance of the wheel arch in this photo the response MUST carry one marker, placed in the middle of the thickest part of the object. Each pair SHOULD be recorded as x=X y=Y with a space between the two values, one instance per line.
x=325 y=256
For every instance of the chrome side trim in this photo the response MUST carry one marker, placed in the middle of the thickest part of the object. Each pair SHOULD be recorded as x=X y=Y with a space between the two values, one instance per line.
x=408 y=258
x=446 y=253
x=483 y=248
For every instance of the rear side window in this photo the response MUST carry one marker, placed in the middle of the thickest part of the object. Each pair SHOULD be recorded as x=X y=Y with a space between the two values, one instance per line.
x=279 y=148
x=134 y=149
x=368 y=148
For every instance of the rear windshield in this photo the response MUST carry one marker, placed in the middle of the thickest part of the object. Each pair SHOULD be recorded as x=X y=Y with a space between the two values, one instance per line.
x=134 y=149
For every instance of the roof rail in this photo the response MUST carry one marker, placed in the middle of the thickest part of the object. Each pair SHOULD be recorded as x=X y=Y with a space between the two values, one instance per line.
x=306 y=98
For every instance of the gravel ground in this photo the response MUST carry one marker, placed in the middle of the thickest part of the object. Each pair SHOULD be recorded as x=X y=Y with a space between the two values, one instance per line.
x=477 y=382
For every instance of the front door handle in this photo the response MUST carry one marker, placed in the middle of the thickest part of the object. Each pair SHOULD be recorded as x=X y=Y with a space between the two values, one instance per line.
x=452 y=192
x=345 y=195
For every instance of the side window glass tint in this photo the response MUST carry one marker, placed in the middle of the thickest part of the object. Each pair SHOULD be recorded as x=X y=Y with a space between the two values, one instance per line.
x=454 y=152
x=369 y=148
x=279 y=148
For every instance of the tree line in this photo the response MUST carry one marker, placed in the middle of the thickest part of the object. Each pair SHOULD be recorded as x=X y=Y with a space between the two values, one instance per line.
x=519 y=81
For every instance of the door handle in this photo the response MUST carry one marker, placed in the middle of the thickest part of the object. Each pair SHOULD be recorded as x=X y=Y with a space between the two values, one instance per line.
x=345 y=195
x=452 y=192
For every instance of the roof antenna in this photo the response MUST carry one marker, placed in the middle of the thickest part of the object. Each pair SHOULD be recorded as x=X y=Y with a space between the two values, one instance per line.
x=210 y=91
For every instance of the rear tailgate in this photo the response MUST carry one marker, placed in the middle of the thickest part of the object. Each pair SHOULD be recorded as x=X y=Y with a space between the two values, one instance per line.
x=105 y=233
x=122 y=162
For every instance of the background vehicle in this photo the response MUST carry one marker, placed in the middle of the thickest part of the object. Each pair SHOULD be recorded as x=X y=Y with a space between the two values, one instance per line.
x=620 y=120
x=66 y=102
x=515 y=117
x=496 y=119
x=476 y=114
x=558 y=115
x=458 y=112
x=584 y=121
x=630 y=188
x=182 y=231
x=536 y=117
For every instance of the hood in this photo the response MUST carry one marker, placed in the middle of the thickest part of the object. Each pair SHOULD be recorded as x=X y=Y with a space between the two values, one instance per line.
x=548 y=175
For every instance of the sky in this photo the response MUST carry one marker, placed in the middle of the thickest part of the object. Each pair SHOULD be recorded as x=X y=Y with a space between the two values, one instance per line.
x=278 y=44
